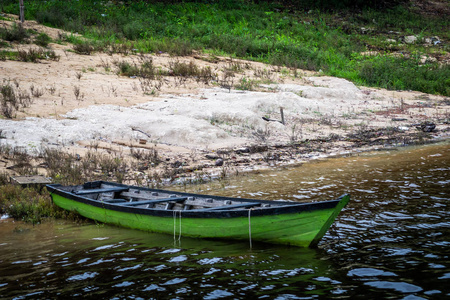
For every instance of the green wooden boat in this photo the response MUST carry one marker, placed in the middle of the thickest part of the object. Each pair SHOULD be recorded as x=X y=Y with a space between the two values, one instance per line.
x=200 y=216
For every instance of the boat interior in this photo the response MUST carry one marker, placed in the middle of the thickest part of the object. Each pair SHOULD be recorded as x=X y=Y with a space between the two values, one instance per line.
x=136 y=197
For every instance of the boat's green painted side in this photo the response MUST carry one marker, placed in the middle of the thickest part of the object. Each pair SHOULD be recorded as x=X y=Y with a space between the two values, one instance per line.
x=302 y=229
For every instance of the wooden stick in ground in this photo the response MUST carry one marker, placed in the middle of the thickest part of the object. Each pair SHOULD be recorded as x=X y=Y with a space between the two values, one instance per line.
x=22 y=11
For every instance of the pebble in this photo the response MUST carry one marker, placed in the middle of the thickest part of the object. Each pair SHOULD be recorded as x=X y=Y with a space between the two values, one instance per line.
x=219 y=162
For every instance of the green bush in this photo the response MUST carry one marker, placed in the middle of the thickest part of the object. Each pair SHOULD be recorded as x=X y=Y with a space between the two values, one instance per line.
x=15 y=34
x=28 y=204
x=42 y=40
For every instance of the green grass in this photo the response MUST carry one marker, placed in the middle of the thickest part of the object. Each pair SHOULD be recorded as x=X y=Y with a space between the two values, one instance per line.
x=42 y=40
x=31 y=55
x=29 y=204
x=267 y=32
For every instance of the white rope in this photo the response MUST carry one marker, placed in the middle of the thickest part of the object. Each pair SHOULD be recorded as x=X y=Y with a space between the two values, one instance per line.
x=174 y=226
x=175 y=240
x=179 y=237
x=249 y=228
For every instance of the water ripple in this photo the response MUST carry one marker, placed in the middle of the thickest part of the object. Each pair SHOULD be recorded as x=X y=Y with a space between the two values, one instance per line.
x=402 y=287
x=84 y=276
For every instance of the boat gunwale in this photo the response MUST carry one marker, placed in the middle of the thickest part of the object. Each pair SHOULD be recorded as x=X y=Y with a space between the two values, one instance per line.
x=283 y=207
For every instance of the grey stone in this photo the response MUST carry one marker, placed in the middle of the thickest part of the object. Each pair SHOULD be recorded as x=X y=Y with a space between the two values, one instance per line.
x=219 y=162
x=410 y=39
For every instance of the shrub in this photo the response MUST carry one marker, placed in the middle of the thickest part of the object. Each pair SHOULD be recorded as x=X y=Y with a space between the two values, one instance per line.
x=34 y=55
x=15 y=34
x=85 y=48
x=9 y=103
x=42 y=40
x=29 y=204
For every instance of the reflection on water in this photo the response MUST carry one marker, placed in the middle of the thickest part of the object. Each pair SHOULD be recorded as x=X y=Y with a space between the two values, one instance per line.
x=392 y=240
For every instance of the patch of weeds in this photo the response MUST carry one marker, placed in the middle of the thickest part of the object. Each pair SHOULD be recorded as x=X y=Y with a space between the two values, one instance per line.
x=84 y=47
x=266 y=75
x=246 y=84
x=64 y=37
x=4 y=179
x=144 y=68
x=261 y=135
x=36 y=91
x=25 y=98
x=34 y=55
x=52 y=89
x=30 y=204
x=126 y=68
x=78 y=75
x=78 y=94
x=3 y=44
x=227 y=79
x=205 y=75
x=51 y=55
x=124 y=47
x=174 y=47
x=333 y=137
x=147 y=156
x=14 y=34
x=106 y=65
x=183 y=71
x=237 y=66
x=296 y=132
x=326 y=120
x=42 y=40
x=9 y=102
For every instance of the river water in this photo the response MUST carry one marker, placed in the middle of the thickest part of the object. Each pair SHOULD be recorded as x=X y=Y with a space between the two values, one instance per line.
x=391 y=241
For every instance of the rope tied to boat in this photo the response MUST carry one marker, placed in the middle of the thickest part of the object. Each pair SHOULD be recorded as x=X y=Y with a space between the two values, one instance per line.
x=175 y=240
x=250 y=227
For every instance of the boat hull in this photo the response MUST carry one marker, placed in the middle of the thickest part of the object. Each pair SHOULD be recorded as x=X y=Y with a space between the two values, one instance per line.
x=289 y=225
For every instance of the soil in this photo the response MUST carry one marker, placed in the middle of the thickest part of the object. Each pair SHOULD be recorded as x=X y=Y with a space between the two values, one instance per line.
x=278 y=116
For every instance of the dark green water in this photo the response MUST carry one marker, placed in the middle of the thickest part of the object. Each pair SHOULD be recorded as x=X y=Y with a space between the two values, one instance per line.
x=391 y=242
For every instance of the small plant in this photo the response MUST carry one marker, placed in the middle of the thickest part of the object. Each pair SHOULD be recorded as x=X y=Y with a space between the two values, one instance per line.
x=52 y=89
x=266 y=76
x=34 y=55
x=24 y=98
x=77 y=92
x=227 y=80
x=261 y=135
x=85 y=48
x=237 y=66
x=9 y=101
x=105 y=64
x=51 y=55
x=112 y=89
x=3 y=44
x=36 y=92
x=126 y=68
x=78 y=75
x=42 y=40
x=245 y=84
